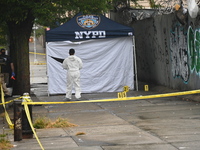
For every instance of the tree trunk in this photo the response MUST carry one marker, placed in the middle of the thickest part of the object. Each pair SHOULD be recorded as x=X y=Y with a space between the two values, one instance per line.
x=19 y=34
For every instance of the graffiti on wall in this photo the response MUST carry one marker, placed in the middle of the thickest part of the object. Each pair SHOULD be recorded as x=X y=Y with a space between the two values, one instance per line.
x=179 y=53
x=193 y=38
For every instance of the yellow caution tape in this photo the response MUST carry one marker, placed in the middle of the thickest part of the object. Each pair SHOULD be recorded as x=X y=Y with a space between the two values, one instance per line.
x=37 y=53
x=27 y=99
x=6 y=102
x=31 y=125
x=11 y=101
x=22 y=97
x=11 y=125
x=38 y=63
x=121 y=99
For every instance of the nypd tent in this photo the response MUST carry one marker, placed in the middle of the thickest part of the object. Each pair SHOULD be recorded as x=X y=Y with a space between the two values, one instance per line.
x=105 y=47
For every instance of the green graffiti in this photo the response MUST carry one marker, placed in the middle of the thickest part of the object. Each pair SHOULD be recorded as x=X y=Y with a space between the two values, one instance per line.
x=197 y=47
x=193 y=40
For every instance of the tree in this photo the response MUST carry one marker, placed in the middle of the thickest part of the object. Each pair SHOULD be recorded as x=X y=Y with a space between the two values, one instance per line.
x=19 y=17
x=2 y=34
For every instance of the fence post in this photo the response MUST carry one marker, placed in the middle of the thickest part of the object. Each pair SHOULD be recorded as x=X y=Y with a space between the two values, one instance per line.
x=17 y=120
x=27 y=132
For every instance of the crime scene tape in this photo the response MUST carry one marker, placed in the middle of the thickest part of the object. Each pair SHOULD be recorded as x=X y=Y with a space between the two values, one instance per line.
x=11 y=125
x=30 y=123
x=10 y=100
x=121 y=99
x=37 y=53
x=6 y=102
x=38 y=63
x=26 y=98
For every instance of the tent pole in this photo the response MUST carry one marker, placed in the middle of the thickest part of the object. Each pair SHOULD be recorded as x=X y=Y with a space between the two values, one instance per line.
x=135 y=64
x=47 y=71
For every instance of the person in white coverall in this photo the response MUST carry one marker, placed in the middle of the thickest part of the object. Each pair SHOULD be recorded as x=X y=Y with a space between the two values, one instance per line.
x=73 y=64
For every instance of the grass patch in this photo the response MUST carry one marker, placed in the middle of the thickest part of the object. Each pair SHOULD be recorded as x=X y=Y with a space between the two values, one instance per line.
x=4 y=143
x=43 y=122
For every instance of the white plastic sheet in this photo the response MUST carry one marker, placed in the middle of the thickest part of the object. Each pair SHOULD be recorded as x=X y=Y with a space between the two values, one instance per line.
x=193 y=8
x=107 y=65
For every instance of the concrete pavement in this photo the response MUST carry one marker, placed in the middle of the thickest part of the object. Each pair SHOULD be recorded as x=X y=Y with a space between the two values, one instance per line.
x=166 y=123
x=170 y=123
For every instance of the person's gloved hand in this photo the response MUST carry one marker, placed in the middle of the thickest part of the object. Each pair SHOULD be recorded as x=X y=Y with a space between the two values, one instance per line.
x=13 y=76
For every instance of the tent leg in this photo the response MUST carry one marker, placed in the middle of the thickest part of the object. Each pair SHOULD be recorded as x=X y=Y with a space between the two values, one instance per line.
x=47 y=86
x=47 y=74
x=135 y=64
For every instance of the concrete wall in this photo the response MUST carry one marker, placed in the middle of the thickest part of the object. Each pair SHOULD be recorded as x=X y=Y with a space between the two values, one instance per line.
x=164 y=56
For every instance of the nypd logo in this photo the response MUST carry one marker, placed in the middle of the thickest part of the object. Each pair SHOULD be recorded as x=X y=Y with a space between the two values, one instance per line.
x=90 y=34
x=88 y=21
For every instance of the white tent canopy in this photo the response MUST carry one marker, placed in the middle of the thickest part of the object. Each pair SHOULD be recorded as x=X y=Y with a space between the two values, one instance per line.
x=107 y=62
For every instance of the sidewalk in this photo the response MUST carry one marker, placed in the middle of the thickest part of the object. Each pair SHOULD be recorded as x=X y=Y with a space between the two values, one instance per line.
x=170 y=123
x=164 y=123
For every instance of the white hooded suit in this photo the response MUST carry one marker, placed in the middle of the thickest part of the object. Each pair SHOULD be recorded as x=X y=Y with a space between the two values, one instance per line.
x=73 y=64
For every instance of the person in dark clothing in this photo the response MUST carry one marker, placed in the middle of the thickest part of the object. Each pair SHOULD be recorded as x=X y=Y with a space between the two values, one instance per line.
x=7 y=70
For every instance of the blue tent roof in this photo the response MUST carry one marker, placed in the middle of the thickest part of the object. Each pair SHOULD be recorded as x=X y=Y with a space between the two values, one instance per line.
x=85 y=27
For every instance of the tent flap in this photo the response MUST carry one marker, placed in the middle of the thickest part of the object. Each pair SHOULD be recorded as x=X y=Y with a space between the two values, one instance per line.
x=107 y=65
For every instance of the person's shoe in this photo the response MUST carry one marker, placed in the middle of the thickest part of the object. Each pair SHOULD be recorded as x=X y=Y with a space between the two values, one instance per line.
x=67 y=99
x=78 y=99
x=72 y=100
